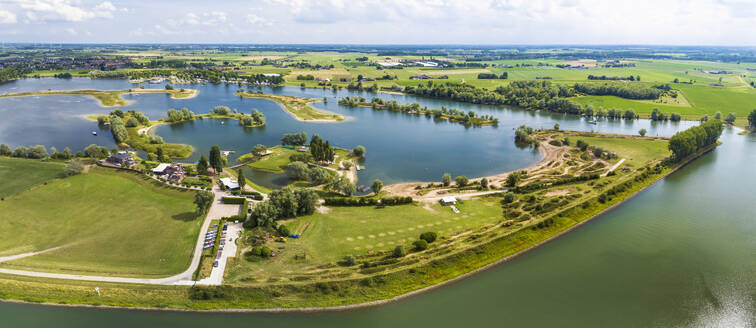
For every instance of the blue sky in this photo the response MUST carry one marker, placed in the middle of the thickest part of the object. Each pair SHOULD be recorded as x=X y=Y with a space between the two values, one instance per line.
x=677 y=22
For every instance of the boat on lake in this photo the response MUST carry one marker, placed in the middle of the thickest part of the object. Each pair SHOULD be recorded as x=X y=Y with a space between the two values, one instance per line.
x=94 y=133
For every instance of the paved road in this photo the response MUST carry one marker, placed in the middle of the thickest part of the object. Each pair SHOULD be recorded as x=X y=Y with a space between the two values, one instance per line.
x=217 y=210
x=613 y=167
x=229 y=250
x=463 y=195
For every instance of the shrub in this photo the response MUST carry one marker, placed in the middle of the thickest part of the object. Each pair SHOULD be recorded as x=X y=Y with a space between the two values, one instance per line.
x=349 y=260
x=283 y=230
x=461 y=180
x=234 y=200
x=420 y=245
x=265 y=251
x=429 y=236
x=509 y=198
x=399 y=251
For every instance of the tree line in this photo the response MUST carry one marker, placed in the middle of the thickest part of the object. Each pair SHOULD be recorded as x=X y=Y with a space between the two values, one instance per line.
x=622 y=90
x=687 y=142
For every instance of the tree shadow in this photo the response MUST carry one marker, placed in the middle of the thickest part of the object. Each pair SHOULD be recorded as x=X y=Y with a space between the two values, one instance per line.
x=187 y=216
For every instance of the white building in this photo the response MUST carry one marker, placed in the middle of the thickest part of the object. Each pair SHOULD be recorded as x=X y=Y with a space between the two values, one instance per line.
x=160 y=169
x=229 y=184
x=448 y=200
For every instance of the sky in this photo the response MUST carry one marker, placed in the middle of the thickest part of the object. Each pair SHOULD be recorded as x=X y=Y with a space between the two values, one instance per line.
x=588 y=22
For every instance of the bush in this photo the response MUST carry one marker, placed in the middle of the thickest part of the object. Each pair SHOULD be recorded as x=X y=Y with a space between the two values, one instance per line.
x=420 y=245
x=367 y=201
x=429 y=236
x=399 y=251
x=283 y=230
x=265 y=251
x=73 y=167
x=461 y=180
x=234 y=200
x=509 y=198
x=349 y=260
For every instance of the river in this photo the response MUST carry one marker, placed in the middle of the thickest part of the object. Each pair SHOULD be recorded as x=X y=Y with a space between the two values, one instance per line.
x=682 y=253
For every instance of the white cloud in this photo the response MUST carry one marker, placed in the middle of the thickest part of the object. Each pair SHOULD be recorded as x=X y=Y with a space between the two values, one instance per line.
x=257 y=20
x=65 y=10
x=71 y=31
x=7 y=17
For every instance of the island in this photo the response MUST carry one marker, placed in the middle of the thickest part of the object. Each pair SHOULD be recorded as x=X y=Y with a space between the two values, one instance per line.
x=109 y=98
x=298 y=107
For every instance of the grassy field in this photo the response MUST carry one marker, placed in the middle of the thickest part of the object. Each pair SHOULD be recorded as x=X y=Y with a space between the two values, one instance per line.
x=328 y=237
x=108 y=222
x=275 y=162
x=299 y=107
x=18 y=174
x=635 y=151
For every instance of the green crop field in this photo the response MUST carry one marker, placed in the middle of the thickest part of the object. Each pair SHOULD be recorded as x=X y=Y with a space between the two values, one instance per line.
x=106 y=222
x=18 y=174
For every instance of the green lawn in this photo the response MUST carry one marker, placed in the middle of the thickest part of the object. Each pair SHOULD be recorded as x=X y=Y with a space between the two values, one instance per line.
x=19 y=174
x=636 y=152
x=109 y=223
x=275 y=162
x=328 y=237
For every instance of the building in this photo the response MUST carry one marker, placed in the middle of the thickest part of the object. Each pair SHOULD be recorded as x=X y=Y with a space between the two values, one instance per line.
x=229 y=184
x=303 y=149
x=448 y=200
x=170 y=172
x=121 y=158
x=420 y=77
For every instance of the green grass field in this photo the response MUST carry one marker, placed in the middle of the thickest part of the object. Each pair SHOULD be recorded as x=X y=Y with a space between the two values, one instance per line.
x=275 y=162
x=19 y=174
x=108 y=222
x=635 y=151
x=328 y=237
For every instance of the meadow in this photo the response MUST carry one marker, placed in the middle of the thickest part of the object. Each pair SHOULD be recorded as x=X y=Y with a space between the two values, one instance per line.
x=106 y=222
x=18 y=174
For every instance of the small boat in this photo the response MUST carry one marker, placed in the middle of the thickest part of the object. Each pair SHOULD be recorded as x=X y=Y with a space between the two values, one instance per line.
x=223 y=122
x=593 y=122
x=94 y=133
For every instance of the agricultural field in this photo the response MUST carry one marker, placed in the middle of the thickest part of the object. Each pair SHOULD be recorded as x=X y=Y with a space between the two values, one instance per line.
x=106 y=222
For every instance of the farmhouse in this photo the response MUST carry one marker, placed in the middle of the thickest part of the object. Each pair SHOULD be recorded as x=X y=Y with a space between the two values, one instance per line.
x=229 y=184
x=448 y=200
x=171 y=172
x=121 y=158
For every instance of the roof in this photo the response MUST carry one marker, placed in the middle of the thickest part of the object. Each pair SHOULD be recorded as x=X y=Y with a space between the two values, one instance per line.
x=449 y=199
x=161 y=167
x=230 y=184
x=121 y=155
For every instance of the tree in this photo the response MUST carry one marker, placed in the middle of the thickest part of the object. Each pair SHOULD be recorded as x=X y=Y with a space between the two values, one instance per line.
x=513 y=179
x=131 y=122
x=509 y=198
x=264 y=214
x=446 y=179
x=221 y=110
x=752 y=119
x=73 y=167
x=307 y=201
x=294 y=139
x=161 y=156
x=377 y=186
x=284 y=230
x=319 y=176
x=202 y=165
x=399 y=251
x=484 y=183
x=429 y=236
x=349 y=260
x=258 y=117
x=5 y=150
x=241 y=179
x=95 y=151
x=67 y=154
x=556 y=126
x=285 y=201
x=347 y=164
x=642 y=132
x=216 y=162
x=461 y=180
x=730 y=118
x=718 y=115
x=344 y=185
x=420 y=245
x=297 y=171
x=258 y=150
x=359 y=151
x=203 y=199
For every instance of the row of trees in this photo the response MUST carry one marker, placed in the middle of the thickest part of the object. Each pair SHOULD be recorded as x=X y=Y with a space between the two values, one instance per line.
x=614 y=78
x=36 y=152
x=294 y=139
x=687 y=142
x=623 y=90
x=468 y=118
x=492 y=76
x=254 y=119
x=320 y=151
x=10 y=74
x=184 y=114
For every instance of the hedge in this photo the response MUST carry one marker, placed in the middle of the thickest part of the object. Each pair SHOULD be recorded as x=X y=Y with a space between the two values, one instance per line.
x=234 y=200
x=367 y=201
x=248 y=193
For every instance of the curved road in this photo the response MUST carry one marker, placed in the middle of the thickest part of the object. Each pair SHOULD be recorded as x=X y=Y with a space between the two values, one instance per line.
x=217 y=210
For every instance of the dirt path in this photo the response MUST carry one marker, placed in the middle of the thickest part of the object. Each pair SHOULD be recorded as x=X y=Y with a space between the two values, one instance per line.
x=20 y=256
x=613 y=167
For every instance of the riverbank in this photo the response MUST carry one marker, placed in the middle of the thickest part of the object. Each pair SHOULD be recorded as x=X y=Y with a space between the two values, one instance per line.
x=457 y=256
x=299 y=108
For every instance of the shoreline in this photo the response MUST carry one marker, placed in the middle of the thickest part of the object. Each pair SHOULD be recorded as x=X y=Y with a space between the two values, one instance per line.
x=267 y=96
x=400 y=297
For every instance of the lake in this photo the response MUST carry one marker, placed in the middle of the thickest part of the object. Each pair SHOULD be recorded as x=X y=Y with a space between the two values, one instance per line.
x=679 y=254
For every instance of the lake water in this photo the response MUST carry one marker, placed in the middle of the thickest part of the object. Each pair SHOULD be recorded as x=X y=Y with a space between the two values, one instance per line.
x=681 y=254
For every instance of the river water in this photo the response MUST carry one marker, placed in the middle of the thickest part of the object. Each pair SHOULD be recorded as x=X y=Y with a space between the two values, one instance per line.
x=682 y=253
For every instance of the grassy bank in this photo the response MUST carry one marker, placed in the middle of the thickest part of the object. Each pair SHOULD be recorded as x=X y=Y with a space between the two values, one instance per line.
x=19 y=174
x=108 y=98
x=298 y=107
